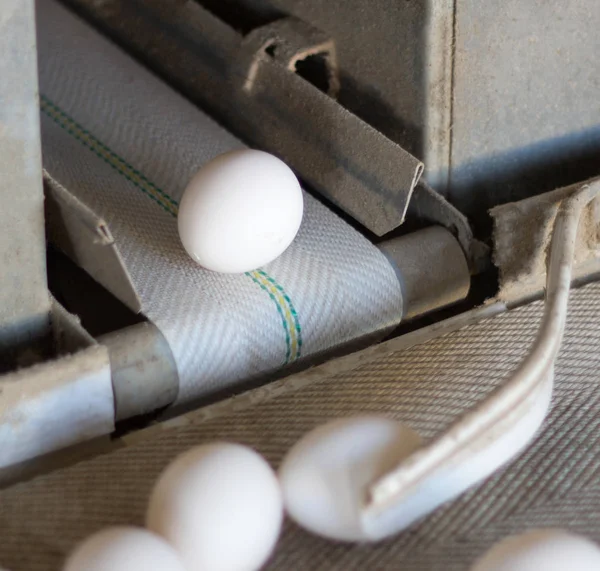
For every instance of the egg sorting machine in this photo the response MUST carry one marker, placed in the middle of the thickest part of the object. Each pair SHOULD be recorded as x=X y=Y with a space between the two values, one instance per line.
x=111 y=206
x=98 y=375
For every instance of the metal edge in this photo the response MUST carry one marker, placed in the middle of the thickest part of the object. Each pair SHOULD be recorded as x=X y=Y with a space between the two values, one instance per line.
x=86 y=239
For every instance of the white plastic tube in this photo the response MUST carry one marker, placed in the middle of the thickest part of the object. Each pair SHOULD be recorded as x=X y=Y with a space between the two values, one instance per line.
x=499 y=428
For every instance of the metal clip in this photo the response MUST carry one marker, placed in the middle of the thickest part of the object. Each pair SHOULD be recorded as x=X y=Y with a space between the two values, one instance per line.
x=295 y=45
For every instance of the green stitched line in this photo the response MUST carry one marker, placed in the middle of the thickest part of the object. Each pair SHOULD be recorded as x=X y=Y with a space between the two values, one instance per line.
x=290 y=304
x=58 y=110
x=280 y=311
x=63 y=120
x=59 y=117
x=262 y=278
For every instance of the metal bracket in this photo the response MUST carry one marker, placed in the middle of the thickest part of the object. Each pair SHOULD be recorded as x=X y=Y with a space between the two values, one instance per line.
x=335 y=153
x=290 y=42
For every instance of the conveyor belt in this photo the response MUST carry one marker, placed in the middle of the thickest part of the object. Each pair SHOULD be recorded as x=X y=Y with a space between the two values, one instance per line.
x=126 y=145
x=555 y=482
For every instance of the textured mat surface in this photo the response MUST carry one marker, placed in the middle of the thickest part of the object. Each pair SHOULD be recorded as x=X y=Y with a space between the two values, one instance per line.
x=555 y=482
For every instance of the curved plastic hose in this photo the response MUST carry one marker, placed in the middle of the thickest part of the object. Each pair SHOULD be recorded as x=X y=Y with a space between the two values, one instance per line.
x=486 y=426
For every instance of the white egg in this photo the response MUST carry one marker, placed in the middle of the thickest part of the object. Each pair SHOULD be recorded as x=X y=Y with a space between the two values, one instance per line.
x=220 y=506
x=124 y=549
x=541 y=550
x=240 y=211
x=325 y=476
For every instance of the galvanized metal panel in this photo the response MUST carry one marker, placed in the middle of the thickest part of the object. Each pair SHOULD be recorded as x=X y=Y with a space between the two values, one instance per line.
x=526 y=110
x=24 y=300
x=340 y=156
x=55 y=404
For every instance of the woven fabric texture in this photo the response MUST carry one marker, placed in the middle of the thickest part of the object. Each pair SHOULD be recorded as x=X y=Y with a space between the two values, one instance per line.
x=555 y=482
x=126 y=145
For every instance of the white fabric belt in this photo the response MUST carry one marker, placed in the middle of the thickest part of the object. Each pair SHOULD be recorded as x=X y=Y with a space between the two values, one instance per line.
x=126 y=145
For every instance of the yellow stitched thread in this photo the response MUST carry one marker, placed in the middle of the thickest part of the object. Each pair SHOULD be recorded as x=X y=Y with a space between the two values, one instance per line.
x=266 y=282
x=288 y=316
x=108 y=156
x=276 y=294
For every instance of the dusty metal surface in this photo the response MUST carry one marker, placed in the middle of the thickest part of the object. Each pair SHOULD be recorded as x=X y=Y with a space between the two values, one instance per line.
x=193 y=44
x=395 y=61
x=55 y=404
x=62 y=401
x=292 y=42
x=24 y=300
x=44 y=406
x=526 y=111
x=522 y=232
x=336 y=153
x=503 y=95
x=69 y=335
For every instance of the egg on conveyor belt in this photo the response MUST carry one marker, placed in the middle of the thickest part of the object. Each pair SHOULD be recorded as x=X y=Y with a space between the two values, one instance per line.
x=220 y=507
x=542 y=550
x=124 y=549
x=240 y=211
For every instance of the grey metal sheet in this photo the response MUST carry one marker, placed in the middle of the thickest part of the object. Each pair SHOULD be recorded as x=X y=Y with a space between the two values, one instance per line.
x=522 y=232
x=88 y=241
x=55 y=404
x=24 y=300
x=526 y=111
x=340 y=156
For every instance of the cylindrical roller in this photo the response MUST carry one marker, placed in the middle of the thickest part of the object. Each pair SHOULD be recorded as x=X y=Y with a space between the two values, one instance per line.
x=431 y=267
x=144 y=373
